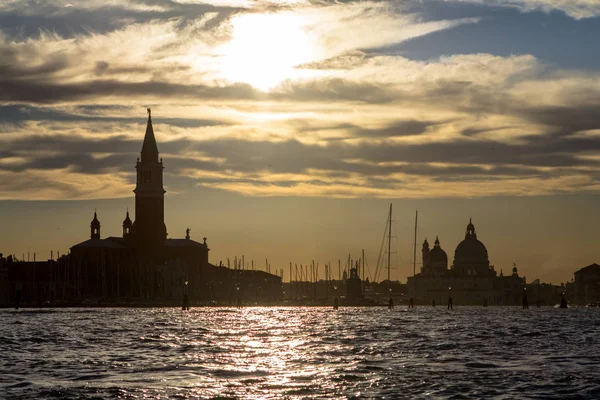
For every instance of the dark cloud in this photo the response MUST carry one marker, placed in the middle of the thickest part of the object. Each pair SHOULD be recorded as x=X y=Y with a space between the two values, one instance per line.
x=26 y=85
x=397 y=129
x=340 y=62
x=541 y=154
x=12 y=67
x=12 y=90
x=28 y=182
x=472 y=159
x=20 y=113
x=252 y=163
x=482 y=158
x=410 y=127
x=33 y=145
x=101 y=67
x=31 y=18
x=458 y=158
x=566 y=120
x=334 y=90
x=80 y=163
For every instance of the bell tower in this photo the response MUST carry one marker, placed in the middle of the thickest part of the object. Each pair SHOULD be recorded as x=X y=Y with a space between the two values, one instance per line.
x=95 y=227
x=127 y=224
x=149 y=227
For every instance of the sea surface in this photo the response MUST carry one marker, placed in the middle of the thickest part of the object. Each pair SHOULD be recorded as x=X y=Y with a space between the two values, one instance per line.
x=300 y=352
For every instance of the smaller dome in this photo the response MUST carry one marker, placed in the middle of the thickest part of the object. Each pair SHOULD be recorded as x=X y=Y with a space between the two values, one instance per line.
x=437 y=254
x=425 y=244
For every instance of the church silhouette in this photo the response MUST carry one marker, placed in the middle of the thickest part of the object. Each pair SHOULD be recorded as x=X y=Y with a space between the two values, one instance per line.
x=146 y=265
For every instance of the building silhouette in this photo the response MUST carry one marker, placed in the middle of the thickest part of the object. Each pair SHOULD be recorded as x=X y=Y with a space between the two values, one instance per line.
x=143 y=265
x=587 y=285
x=471 y=280
x=471 y=256
x=149 y=230
x=4 y=282
x=354 y=288
x=143 y=262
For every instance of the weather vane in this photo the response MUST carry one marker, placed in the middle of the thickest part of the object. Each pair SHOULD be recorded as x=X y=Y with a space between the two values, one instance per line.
x=149 y=111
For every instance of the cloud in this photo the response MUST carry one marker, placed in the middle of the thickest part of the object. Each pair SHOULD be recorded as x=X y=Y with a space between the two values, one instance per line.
x=61 y=184
x=23 y=19
x=452 y=127
x=23 y=113
x=371 y=167
x=190 y=50
x=347 y=121
x=577 y=9
x=41 y=92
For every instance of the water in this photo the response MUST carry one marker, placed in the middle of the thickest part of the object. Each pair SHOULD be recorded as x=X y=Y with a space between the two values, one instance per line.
x=300 y=353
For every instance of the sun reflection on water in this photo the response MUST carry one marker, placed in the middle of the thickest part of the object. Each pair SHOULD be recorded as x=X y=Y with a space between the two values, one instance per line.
x=298 y=352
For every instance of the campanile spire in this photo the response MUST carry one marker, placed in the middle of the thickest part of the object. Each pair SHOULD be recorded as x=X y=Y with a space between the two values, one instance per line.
x=149 y=226
x=149 y=148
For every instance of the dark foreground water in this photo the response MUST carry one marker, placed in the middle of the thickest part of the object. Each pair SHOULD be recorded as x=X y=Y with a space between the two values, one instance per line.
x=300 y=353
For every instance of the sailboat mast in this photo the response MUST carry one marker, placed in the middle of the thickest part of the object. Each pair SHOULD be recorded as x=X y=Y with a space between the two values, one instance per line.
x=415 y=245
x=389 y=244
x=363 y=264
x=362 y=282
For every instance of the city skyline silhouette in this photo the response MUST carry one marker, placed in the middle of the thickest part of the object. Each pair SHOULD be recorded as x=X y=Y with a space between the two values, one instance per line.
x=291 y=146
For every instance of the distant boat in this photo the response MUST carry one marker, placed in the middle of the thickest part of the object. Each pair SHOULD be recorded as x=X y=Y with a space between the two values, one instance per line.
x=563 y=301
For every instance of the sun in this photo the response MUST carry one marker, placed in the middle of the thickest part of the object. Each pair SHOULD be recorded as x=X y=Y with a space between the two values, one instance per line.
x=265 y=48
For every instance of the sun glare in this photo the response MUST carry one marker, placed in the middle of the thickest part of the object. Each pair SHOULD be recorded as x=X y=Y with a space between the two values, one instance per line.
x=265 y=48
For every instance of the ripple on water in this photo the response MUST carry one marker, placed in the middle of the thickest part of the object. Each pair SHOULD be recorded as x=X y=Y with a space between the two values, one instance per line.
x=300 y=352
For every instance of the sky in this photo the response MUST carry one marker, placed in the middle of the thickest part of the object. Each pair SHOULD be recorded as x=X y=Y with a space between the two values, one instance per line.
x=287 y=127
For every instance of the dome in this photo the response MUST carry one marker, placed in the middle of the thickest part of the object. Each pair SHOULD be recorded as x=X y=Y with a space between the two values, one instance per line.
x=437 y=255
x=471 y=248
